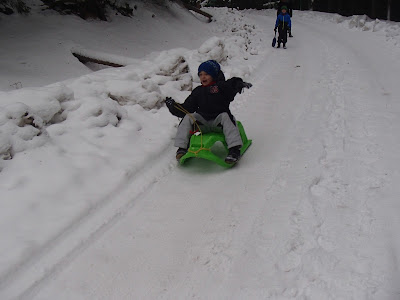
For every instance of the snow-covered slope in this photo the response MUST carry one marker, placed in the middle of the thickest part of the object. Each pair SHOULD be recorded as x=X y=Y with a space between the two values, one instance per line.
x=94 y=205
x=36 y=49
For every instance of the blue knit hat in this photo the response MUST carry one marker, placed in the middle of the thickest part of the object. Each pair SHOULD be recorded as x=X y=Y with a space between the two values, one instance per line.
x=211 y=67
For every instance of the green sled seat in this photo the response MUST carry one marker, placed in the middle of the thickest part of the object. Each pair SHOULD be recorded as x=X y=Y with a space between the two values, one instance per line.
x=201 y=146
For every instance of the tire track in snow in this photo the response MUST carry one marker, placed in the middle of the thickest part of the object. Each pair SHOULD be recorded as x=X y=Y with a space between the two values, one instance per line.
x=325 y=257
x=26 y=278
x=266 y=236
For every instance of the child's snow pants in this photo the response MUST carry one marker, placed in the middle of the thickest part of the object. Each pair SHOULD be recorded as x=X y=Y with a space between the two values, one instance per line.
x=282 y=38
x=229 y=128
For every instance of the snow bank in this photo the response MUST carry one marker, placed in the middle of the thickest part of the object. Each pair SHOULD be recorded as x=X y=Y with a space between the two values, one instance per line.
x=391 y=30
x=98 y=99
x=36 y=49
x=240 y=36
x=25 y=115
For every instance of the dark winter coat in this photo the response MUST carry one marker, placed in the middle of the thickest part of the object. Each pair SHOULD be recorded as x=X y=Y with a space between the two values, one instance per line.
x=210 y=101
x=287 y=4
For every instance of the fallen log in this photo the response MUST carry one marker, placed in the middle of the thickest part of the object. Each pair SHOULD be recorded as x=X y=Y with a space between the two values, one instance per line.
x=90 y=56
x=197 y=10
x=85 y=59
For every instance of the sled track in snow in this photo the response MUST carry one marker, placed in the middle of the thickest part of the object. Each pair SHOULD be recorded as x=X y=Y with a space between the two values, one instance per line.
x=24 y=279
x=334 y=190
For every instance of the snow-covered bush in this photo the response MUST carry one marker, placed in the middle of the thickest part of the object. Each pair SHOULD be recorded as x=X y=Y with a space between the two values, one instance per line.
x=20 y=129
x=26 y=114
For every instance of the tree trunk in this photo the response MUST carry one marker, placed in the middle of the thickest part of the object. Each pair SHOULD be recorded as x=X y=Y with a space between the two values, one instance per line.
x=388 y=9
x=339 y=7
x=372 y=10
x=330 y=8
x=199 y=11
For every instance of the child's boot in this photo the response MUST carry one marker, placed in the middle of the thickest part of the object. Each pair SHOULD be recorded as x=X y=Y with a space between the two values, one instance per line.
x=284 y=46
x=180 y=152
x=233 y=155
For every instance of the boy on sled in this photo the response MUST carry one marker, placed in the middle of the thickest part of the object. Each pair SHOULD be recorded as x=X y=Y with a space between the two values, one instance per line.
x=208 y=106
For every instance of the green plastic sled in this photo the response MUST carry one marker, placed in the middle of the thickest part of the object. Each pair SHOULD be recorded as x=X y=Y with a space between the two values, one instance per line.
x=200 y=146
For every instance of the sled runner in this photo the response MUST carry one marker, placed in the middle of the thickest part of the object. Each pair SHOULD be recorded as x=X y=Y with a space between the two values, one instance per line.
x=201 y=146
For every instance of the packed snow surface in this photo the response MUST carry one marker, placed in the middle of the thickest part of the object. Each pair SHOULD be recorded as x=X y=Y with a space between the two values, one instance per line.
x=93 y=203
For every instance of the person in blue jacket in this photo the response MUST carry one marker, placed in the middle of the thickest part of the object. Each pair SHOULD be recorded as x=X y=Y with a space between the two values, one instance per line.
x=283 y=24
x=288 y=4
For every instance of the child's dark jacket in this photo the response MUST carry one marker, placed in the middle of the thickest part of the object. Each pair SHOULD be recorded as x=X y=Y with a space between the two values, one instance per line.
x=210 y=101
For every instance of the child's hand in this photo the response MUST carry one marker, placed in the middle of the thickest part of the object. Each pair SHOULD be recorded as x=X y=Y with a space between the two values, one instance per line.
x=239 y=85
x=169 y=102
x=173 y=107
x=243 y=85
x=247 y=85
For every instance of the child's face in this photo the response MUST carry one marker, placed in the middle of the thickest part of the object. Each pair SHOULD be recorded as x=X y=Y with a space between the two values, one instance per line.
x=205 y=79
x=284 y=11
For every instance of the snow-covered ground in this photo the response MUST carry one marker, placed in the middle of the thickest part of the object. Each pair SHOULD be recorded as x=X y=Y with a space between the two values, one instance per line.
x=94 y=206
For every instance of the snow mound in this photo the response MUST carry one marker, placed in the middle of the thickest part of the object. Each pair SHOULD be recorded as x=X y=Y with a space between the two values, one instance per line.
x=364 y=23
x=98 y=99
x=391 y=30
x=25 y=116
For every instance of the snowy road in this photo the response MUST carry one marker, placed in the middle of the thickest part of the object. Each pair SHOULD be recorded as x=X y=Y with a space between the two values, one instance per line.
x=310 y=212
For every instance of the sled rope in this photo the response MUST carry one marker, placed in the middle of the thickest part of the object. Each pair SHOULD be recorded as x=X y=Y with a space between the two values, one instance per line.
x=180 y=107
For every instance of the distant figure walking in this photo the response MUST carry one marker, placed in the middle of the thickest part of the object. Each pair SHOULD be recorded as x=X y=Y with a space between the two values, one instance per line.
x=283 y=24
x=289 y=10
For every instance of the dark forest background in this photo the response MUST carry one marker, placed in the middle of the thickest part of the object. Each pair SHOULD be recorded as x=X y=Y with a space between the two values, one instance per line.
x=381 y=9
x=375 y=9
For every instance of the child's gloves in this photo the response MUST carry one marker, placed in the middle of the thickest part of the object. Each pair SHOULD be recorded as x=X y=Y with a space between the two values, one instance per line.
x=275 y=29
x=239 y=85
x=172 y=107
x=247 y=85
x=169 y=102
